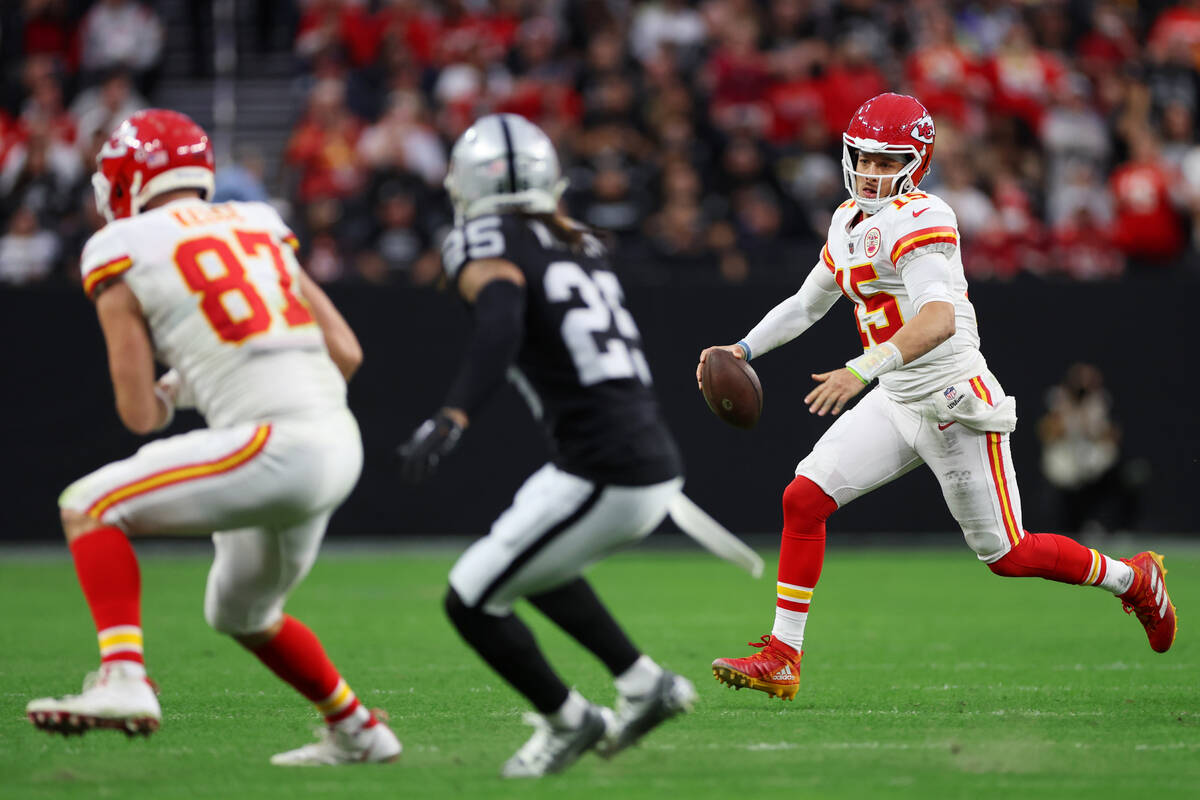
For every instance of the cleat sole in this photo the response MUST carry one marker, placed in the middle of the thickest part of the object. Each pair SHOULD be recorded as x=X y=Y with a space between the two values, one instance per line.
x=76 y=725
x=738 y=681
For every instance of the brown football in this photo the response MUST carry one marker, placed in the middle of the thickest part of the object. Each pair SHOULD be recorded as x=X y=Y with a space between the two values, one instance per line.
x=731 y=389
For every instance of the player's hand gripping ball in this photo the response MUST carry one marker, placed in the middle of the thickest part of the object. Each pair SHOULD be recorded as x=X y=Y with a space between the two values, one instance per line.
x=731 y=389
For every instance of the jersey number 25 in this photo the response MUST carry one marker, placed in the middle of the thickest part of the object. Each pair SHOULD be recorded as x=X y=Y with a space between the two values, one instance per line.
x=601 y=336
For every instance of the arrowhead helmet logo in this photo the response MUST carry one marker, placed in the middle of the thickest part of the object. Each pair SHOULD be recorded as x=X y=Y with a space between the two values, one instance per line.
x=923 y=131
x=118 y=144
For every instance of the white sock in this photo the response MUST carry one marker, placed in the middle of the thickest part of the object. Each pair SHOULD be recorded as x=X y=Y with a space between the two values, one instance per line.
x=789 y=627
x=639 y=678
x=1118 y=576
x=358 y=717
x=570 y=713
x=127 y=669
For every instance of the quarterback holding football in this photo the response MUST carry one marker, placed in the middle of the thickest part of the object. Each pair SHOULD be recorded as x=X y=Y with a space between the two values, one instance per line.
x=893 y=251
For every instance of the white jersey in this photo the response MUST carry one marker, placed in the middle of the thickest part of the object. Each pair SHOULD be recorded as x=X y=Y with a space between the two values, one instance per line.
x=218 y=285
x=867 y=258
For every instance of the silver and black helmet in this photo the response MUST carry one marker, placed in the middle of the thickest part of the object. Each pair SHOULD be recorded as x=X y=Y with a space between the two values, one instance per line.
x=504 y=163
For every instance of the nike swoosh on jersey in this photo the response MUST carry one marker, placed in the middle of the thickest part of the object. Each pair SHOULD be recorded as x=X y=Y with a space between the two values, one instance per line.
x=919 y=213
x=942 y=427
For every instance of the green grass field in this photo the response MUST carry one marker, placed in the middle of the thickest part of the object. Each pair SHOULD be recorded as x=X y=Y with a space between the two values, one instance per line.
x=925 y=676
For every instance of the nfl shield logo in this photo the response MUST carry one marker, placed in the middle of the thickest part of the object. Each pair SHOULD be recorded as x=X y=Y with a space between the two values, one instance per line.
x=950 y=394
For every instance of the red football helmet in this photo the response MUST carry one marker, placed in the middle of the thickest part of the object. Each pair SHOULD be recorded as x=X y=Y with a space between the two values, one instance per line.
x=889 y=123
x=152 y=152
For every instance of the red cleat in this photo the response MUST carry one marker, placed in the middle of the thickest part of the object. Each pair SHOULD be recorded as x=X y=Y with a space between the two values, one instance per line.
x=1147 y=597
x=775 y=669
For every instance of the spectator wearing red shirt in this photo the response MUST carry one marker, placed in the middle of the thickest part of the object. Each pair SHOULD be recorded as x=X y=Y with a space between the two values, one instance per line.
x=1024 y=78
x=48 y=30
x=337 y=25
x=405 y=23
x=8 y=136
x=738 y=77
x=797 y=97
x=1178 y=25
x=459 y=33
x=324 y=146
x=1148 y=229
x=946 y=75
x=851 y=80
x=1108 y=44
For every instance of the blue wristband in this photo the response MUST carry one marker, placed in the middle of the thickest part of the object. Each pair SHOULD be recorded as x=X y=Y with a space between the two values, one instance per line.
x=745 y=348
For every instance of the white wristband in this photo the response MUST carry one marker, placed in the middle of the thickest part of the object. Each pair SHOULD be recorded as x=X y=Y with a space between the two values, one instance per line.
x=875 y=362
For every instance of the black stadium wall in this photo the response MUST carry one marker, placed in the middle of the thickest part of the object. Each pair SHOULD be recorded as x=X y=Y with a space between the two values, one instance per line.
x=59 y=421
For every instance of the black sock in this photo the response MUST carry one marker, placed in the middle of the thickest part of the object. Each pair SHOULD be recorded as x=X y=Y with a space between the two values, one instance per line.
x=575 y=608
x=510 y=649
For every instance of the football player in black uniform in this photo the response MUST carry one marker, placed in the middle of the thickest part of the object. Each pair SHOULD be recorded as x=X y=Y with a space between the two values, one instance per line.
x=548 y=315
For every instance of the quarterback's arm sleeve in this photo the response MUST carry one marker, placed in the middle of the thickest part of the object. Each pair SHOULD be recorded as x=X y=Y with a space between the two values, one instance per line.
x=499 y=330
x=927 y=278
x=796 y=314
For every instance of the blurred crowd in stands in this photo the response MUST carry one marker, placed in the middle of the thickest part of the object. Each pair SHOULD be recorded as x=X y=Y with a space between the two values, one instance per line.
x=704 y=135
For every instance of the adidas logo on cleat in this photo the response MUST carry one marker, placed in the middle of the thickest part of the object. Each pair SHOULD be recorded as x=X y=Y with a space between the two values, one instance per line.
x=784 y=674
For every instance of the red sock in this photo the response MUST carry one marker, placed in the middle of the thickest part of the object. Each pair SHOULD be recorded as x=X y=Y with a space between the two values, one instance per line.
x=802 y=548
x=112 y=585
x=295 y=654
x=1050 y=556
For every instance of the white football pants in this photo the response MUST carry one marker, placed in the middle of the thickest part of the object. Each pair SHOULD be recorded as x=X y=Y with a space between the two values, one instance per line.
x=558 y=524
x=266 y=489
x=880 y=439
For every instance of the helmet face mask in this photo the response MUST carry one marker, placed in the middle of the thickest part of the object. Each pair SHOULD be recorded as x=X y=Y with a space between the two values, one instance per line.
x=894 y=125
x=152 y=152
x=503 y=163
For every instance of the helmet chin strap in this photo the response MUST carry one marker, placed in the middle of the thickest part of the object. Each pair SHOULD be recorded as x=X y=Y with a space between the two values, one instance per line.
x=135 y=189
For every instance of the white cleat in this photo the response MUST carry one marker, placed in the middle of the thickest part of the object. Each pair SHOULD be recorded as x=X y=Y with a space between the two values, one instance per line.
x=553 y=749
x=637 y=716
x=117 y=697
x=374 y=745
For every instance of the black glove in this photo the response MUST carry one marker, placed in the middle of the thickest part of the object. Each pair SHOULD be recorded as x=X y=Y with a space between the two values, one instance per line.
x=424 y=450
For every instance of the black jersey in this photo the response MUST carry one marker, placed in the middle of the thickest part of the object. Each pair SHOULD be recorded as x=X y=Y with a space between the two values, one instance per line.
x=581 y=367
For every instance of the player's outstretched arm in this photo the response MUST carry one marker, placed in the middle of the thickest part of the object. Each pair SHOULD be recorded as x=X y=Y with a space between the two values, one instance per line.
x=787 y=320
x=340 y=340
x=131 y=360
x=496 y=290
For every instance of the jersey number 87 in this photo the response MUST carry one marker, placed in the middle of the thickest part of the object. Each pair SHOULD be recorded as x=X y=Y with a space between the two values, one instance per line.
x=256 y=319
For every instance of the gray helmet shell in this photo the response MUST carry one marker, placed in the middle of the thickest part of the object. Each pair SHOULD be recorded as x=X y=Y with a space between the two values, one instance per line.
x=503 y=163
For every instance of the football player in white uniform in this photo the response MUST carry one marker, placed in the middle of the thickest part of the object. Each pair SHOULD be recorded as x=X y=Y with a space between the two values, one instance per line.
x=893 y=251
x=214 y=292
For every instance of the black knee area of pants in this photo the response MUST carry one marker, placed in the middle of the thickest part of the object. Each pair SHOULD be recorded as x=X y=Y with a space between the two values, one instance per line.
x=456 y=609
x=576 y=609
x=510 y=649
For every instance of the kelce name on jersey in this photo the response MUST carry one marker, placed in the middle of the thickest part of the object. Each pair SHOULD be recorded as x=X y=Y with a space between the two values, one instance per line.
x=206 y=215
